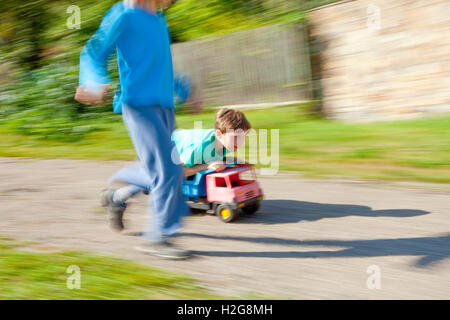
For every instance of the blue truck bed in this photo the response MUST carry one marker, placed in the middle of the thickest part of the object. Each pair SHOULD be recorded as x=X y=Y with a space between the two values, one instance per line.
x=196 y=187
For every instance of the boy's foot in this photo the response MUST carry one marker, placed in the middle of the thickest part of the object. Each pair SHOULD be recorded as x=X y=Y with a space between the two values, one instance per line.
x=114 y=212
x=163 y=249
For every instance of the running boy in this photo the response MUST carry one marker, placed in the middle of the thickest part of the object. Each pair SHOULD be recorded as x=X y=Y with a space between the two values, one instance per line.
x=137 y=31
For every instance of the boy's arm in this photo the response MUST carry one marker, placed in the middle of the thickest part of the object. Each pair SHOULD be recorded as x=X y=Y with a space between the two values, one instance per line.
x=191 y=155
x=190 y=171
x=93 y=79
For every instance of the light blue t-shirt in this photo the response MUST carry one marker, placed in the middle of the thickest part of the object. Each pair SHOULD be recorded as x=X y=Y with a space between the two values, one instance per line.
x=142 y=43
x=196 y=146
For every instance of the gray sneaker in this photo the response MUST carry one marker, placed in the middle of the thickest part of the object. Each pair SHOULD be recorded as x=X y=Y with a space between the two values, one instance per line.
x=163 y=249
x=114 y=212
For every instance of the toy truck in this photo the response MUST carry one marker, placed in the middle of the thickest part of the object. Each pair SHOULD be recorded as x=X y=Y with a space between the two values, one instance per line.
x=226 y=193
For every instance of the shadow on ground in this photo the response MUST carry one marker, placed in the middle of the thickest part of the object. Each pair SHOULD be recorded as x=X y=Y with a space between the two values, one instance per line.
x=292 y=211
x=431 y=249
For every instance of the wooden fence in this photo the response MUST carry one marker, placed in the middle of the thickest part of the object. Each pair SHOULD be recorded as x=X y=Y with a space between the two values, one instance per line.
x=264 y=65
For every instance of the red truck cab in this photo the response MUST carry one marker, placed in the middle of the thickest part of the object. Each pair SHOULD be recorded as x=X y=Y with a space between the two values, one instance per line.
x=232 y=190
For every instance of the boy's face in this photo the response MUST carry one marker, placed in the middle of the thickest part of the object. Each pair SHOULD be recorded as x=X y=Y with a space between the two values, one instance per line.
x=232 y=139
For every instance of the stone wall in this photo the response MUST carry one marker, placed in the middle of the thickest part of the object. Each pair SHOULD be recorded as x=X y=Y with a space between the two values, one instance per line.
x=383 y=59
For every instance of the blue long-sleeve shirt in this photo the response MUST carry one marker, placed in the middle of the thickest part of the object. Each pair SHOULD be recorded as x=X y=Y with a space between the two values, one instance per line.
x=142 y=43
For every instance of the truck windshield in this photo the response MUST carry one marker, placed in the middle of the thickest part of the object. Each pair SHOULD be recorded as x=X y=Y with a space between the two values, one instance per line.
x=220 y=182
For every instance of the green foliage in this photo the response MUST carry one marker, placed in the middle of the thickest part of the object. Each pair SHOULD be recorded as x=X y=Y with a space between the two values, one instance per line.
x=23 y=25
x=38 y=99
x=192 y=19
x=31 y=30
x=69 y=42
x=43 y=52
x=41 y=103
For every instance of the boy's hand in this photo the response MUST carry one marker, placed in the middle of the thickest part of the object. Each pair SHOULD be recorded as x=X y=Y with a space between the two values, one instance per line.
x=217 y=166
x=90 y=97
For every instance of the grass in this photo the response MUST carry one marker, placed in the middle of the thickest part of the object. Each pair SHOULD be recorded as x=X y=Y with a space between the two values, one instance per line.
x=412 y=150
x=32 y=275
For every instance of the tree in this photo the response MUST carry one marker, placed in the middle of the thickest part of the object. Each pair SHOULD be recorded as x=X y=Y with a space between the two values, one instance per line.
x=24 y=25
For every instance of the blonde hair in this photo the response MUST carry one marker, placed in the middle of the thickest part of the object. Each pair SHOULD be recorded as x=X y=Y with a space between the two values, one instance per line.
x=231 y=119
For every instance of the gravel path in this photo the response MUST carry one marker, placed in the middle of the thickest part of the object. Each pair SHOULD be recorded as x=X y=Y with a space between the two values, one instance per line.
x=312 y=239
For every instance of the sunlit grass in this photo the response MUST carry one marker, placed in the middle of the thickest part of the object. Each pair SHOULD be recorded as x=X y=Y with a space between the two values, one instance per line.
x=32 y=275
x=416 y=150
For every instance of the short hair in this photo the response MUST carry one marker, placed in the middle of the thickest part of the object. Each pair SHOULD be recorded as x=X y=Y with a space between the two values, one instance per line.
x=231 y=119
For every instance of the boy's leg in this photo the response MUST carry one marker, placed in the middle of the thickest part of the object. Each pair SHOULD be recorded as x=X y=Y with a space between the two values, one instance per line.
x=114 y=200
x=114 y=212
x=137 y=180
x=121 y=195
x=134 y=175
x=150 y=130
